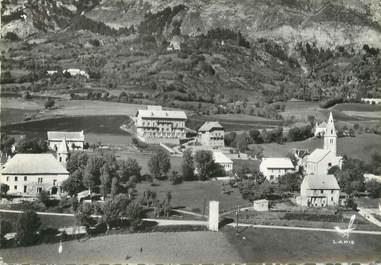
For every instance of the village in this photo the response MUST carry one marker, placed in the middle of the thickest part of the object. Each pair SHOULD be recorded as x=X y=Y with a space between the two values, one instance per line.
x=216 y=186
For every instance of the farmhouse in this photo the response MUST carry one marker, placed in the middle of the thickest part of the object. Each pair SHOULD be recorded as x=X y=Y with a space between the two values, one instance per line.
x=29 y=174
x=155 y=125
x=74 y=140
x=371 y=100
x=212 y=134
x=274 y=167
x=321 y=160
x=225 y=162
x=319 y=191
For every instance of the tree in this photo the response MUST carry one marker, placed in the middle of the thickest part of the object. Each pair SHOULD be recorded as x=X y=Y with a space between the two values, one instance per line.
x=241 y=142
x=27 y=225
x=49 y=103
x=113 y=210
x=351 y=177
x=374 y=188
x=73 y=184
x=83 y=215
x=290 y=181
x=159 y=164
x=6 y=144
x=187 y=165
x=6 y=227
x=43 y=197
x=77 y=161
x=92 y=173
x=105 y=180
x=128 y=168
x=229 y=138
x=175 y=178
x=252 y=191
x=34 y=145
x=204 y=164
x=255 y=136
x=114 y=187
x=4 y=188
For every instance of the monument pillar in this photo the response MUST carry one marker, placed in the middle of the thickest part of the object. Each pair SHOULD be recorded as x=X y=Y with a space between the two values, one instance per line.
x=213 y=216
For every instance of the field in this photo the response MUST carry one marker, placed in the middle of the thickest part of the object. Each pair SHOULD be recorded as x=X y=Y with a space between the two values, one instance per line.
x=268 y=245
x=192 y=194
x=361 y=147
x=192 y=247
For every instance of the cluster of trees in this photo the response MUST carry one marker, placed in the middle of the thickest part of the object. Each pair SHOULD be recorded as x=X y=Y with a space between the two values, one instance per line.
x=32 y=145
x=224 y=34
x=101 y=171
x=6 y=144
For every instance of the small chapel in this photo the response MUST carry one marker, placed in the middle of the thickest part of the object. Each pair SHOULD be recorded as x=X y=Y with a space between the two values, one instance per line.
x=322 y=159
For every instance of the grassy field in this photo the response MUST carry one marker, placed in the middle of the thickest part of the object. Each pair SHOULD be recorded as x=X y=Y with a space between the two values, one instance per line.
x=193 y=193
x=268 y=245
x=360 y=147
x=179 y=247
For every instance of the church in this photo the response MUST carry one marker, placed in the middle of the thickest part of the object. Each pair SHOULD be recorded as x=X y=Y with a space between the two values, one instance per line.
x=322 y=159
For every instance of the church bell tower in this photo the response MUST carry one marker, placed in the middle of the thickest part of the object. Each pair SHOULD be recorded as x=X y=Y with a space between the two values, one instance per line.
x=330 y=136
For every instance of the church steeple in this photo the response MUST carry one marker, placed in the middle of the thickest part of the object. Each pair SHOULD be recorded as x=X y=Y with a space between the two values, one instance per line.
x=330 y=135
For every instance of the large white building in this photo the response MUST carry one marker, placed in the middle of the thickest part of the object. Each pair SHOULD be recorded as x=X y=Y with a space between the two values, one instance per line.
x=274 y=167
x=74 y=140
x=155 y=125
x=212 y=134
x=322 y=159
x=319 y=191
x=29 y=174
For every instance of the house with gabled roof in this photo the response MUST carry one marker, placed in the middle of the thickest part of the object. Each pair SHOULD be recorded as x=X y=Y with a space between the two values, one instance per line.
x=319 y=191
x=212 y=134
x=74 y=140
x=29 y=174
x=274 y=167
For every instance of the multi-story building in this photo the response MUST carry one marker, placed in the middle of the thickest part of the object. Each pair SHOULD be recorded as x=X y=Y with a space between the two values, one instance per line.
x=74 y=140
x=274 y=167
x=155 y=125
x=319 y=191
x=212 y=134
x=29 y=174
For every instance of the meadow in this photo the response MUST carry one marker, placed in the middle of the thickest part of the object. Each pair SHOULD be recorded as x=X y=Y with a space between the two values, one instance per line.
x=361 y=147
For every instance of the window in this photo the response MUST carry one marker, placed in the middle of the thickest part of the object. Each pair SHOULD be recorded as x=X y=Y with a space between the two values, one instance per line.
x=7 y=178
x=39 y=189
x=25 y=178
x=15 y=187
x=39 y=180
x=15 y=178
x=54 y=182
x=331 y=199
x=321 y=191
x=25 y=187
x=331 y=191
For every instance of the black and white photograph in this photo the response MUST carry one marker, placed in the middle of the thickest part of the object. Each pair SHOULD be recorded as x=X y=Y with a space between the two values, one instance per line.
x=190 y=132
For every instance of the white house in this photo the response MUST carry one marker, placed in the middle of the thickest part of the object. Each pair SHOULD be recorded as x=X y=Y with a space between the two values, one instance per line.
x=29 y=174
x=274 y=167
x=319 y=191
x=321 y=160
x=225 y=162
x=76 y=72
x=212 y=134
x=371 y=100
x=320 y=128
x=155 y=125
x=74 y=140
x=175 y=43
x=370 y=177
x=261 y=205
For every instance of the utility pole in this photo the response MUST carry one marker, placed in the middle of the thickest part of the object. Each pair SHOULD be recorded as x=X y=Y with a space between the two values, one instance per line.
x=236 y=217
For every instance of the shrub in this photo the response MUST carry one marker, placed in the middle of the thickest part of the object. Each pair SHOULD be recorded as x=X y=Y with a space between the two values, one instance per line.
x=325 y=104
x=26 y=227
x=175 y=178
x=49 y=103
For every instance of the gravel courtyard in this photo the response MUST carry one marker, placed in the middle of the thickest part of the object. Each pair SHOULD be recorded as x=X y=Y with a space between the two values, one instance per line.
x=179 y=247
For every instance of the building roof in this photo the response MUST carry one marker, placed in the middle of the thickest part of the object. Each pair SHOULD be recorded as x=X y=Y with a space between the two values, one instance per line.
x=163 y=114
x=220 y=158
x=33 y=164
x=317 y=155
x=320 y=182
x=62 y=147
x=277 y=162
x=209 y=125
x=69 y=136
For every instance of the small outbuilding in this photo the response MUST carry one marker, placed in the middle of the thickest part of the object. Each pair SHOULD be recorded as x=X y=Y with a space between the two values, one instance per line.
x=261 y=205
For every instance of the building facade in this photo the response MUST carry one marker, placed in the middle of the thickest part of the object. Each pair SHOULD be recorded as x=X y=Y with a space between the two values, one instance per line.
x=155 y=125
x=211 y=134
x=319 y=191
x=29 y=174
x=225 y=162
x=274 y=167
x=320 y=129
x=322 y=159
x=74 y=140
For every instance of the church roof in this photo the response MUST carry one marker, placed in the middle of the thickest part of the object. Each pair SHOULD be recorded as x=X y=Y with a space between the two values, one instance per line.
x=71 y=136
x=331 y=131
x=33 y=164
x=320 y=182
x=209 y=125
x=277 y=162
x=317 y=155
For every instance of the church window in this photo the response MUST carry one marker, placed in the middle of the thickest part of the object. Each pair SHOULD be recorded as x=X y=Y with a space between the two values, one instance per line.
x=331 y=141
x=331 y=131
x=25 y=178
x=15 y=187
x=330 y=164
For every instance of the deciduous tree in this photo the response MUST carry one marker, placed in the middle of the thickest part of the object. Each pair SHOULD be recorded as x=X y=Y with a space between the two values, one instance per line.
x=27 y=225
